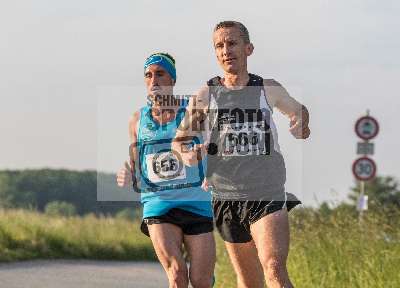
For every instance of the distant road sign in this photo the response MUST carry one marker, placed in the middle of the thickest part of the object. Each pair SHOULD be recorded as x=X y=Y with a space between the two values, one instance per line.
x=365 y=148
x=367 y=127
x=364 y=169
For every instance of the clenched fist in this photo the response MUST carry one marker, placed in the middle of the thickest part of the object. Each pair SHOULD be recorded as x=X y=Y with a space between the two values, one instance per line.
x=299 y=125
x=124 y=175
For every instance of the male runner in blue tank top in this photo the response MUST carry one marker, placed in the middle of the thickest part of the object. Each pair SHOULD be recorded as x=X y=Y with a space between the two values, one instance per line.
x=176 y=210
x=245 y=166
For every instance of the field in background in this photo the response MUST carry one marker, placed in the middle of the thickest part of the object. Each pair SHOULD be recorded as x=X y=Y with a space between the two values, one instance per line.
x=337 y=251
x=332 y=250
x=31 y=235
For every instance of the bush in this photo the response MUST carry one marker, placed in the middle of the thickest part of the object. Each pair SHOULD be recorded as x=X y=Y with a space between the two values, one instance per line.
x=60 y=208
x=131 y=214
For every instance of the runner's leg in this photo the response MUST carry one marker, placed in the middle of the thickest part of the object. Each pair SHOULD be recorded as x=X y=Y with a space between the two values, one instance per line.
x=201 y=249
x=271 y=237
x=245 y=262
x=167 y=241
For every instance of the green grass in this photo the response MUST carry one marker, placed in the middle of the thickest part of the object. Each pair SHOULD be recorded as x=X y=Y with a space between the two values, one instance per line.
x=326 y=251
x=336 y=251
x=28 y=235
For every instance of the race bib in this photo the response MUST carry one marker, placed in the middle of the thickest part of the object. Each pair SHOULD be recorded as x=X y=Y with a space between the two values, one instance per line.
x=245 y=139
x=164 y=166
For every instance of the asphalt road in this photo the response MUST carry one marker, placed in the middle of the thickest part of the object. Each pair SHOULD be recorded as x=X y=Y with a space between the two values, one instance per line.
x=82 y=274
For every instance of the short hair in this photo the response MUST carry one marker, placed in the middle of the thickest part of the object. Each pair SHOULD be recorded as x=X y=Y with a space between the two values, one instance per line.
x=243 y=30
x=164 y=54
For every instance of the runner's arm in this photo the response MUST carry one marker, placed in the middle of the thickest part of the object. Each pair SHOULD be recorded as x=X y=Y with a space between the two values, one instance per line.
x=133 y=127
x=278 y=97
x=126 y=174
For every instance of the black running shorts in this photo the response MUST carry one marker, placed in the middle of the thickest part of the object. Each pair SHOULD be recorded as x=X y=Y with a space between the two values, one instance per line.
x=233 y=217
x=190 y=223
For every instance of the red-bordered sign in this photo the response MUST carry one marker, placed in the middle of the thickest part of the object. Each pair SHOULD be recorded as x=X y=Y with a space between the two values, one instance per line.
x=366 y=127
x=364 y=169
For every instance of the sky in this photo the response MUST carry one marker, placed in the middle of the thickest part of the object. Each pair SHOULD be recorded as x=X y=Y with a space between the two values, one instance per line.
x=71 y=74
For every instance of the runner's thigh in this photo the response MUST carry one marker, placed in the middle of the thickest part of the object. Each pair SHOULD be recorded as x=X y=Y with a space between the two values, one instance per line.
x=201 y=249
x=167 y=241
x=271 y=235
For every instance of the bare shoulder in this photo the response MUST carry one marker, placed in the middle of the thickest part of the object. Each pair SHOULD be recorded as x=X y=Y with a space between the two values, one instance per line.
x=200 y=98
x=202 y=94
x=134 y=118
x=279 y=97
x=274 y=90
x=272 y=82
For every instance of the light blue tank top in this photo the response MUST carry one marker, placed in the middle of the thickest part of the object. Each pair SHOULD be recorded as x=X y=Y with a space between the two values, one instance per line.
x=164 y=182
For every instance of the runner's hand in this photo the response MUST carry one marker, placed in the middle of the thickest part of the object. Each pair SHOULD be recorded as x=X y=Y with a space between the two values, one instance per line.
x=299 y=125
x=204 y=185
x=124 y=176
x=194 y=155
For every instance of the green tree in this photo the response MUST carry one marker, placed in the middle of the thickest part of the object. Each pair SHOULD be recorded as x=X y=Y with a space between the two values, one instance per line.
x=35 y=188
x=10 y=194
x=383 y=192
x=60 y=208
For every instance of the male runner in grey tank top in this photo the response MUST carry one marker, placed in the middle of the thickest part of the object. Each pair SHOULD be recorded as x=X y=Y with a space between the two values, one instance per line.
x=245 y=167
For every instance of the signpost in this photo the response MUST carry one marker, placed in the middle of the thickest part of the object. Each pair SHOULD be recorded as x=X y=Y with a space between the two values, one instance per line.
x=364 y=168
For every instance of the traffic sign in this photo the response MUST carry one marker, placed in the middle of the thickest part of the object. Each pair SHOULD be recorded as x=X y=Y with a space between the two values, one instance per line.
x=367 y=127
x=365 y=148
x=364 y=169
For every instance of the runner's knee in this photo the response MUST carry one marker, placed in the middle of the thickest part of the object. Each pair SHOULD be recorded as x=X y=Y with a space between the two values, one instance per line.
x=274 y=268
x=201 y=280
x=177 y=272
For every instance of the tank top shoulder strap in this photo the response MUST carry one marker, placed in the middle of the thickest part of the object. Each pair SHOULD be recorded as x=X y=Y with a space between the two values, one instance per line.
x=213 y=85
x=214 y=81
x=256 y=80
x=143 y=120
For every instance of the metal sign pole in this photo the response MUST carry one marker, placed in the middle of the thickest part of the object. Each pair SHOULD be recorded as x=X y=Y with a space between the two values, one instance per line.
x=362 y=188
x=361 y=200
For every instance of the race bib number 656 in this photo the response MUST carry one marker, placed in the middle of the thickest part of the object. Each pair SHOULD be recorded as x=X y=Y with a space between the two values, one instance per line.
x=164 y=166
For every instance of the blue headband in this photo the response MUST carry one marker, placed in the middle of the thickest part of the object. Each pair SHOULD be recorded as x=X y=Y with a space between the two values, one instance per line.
x=164 y=62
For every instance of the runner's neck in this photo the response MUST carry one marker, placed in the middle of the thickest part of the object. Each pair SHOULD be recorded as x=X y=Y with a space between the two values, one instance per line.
x=235 y=81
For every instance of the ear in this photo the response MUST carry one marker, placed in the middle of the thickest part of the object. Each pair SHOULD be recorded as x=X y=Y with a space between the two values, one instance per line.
x=249 y=49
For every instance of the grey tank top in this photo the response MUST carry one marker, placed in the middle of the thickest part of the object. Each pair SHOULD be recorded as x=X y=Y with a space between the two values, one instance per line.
x=244 y=161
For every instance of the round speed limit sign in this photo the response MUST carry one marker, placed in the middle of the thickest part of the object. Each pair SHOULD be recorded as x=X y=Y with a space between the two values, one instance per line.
x=367 y=128
x=364 y=169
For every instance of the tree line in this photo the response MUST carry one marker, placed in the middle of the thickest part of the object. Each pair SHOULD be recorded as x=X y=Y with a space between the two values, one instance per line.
x=79 y=192
x=36 y=189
